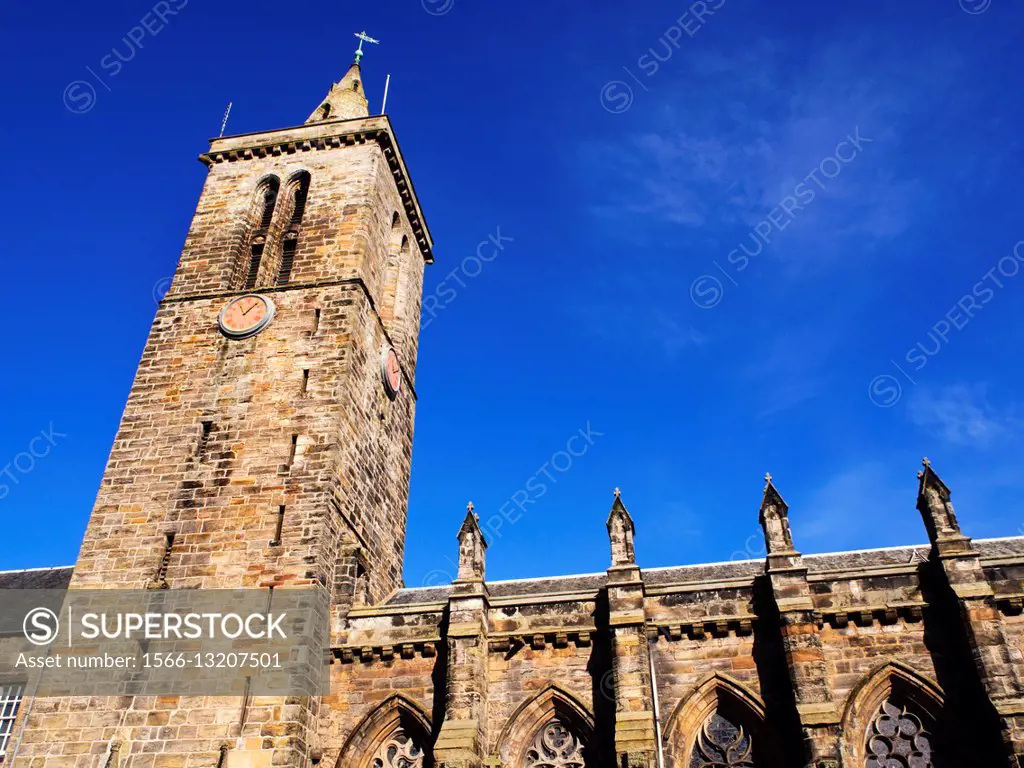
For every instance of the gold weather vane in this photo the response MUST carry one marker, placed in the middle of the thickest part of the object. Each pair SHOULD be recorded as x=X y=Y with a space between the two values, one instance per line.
x=363 y=38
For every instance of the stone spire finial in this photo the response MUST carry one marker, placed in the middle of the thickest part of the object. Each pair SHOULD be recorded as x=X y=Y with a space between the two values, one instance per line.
x=620 y=533
x=933 y=502
x=774 y=519
x=472 y=547
x=346 y=99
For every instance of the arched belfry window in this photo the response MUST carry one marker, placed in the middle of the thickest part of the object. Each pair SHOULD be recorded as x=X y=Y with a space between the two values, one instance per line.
x=556 y=746
x=260 y=218
x=395 y=273
x=298 y=191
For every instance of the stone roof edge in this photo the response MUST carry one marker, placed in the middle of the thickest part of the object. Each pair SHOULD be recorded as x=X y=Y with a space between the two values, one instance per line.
x=668 y=588
x=37 y=570
x=387 y=609
x=305 y=138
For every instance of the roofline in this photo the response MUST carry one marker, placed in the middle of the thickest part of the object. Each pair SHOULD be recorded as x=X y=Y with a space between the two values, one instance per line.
x=549 y=578
x=44 y=568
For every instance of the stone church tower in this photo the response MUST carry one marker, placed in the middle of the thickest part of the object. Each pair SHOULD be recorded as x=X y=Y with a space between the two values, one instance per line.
x=267 y=438
x=267 y=442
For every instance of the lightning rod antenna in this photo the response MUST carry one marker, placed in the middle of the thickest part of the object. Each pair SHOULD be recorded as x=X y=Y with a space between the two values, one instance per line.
x=384 y=103
x=224 y=122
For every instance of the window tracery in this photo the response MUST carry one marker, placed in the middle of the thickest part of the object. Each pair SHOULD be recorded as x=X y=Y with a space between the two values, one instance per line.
x=897 y=738
x=722 y=744
x=400 y=751
x=555 y=747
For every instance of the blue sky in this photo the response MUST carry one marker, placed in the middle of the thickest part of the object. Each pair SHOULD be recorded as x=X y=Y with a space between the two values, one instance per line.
x=624 y=154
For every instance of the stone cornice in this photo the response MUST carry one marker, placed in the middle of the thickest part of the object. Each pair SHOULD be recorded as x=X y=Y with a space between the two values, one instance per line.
x=863 y=573
x=698 y=586
x=384 y=610
x=347 y=654
x=329 y=135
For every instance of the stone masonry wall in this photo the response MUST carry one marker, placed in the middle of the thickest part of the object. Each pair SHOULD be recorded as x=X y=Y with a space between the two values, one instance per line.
x=221 y=437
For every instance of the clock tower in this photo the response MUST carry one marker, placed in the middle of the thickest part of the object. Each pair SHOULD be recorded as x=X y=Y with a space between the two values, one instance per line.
x=267 y=438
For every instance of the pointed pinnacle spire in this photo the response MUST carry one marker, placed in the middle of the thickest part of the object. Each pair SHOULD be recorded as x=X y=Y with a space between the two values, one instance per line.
x=471 y=525
x=930 y=479
x=620 y=533
x=772 y=496
x=472 y=546
x=774 y=519
x=936 y=507
x=618 y=508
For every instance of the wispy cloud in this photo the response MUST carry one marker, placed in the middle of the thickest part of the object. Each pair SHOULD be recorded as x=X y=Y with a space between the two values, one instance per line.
x=781 y=372
x=961 y=414
x=744 y=127
x=628 y=323
x=862 y=506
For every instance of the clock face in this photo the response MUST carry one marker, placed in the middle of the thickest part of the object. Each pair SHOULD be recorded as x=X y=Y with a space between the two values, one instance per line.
x=392 y=372
x=245 y=316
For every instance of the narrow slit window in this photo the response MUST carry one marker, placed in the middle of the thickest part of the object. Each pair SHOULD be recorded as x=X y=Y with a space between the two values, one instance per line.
x=276 y=542
x=204 y=439
x=316 y=321
x=292 y=449
x=165 y=561
x=305 y=382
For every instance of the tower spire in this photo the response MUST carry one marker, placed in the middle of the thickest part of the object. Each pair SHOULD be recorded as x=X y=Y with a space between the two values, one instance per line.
x=346 y=99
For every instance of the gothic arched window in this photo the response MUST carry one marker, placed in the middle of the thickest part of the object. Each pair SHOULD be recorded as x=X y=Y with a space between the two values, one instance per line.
x=398 y=251
x=298 y=190
x=400 y=751
x=260 y=218
x=555 y=746
x=722 y=744
x=898 y=738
